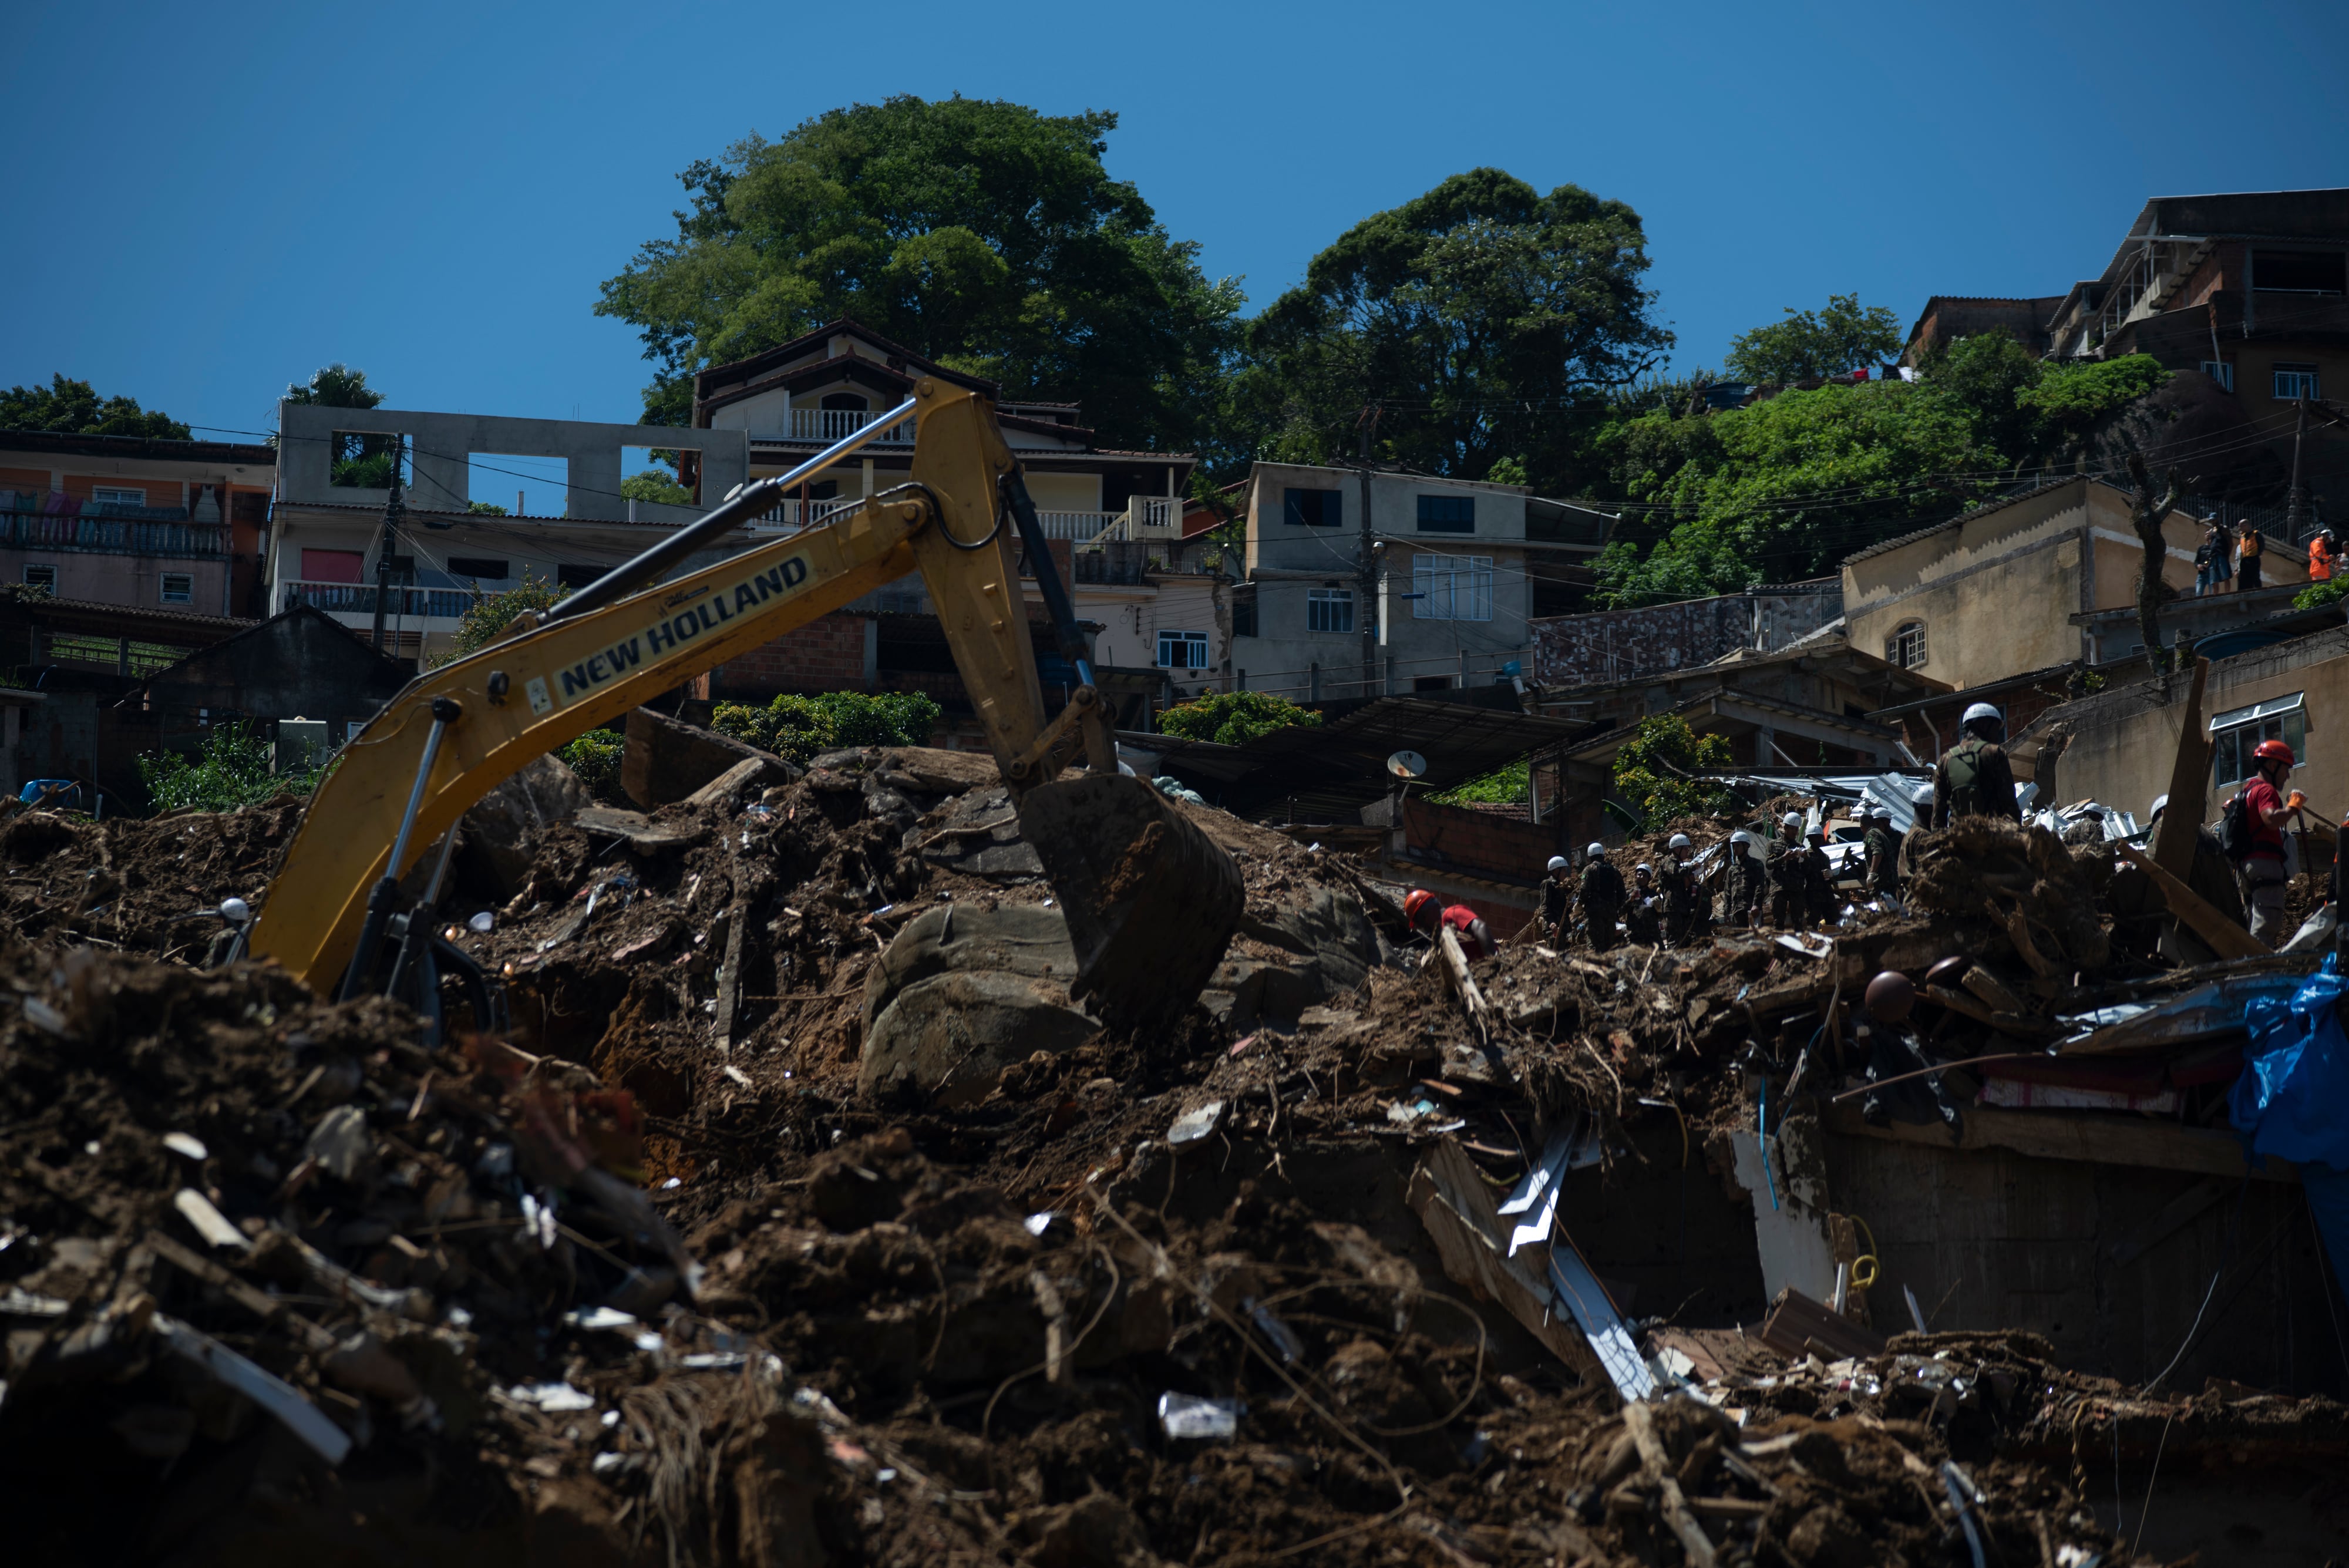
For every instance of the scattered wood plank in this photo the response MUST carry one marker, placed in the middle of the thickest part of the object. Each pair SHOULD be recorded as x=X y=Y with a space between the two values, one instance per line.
x=2189 y=776
x=2225 y=937
x=1799 y=1326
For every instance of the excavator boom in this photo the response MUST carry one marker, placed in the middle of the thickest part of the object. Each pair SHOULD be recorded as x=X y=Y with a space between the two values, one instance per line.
x=456 y=732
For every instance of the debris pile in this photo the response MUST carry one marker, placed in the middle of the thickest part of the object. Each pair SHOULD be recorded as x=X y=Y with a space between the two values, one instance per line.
x=797 y=1213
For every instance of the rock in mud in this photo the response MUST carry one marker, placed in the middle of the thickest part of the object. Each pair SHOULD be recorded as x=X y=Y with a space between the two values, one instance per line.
x=503 y=827
x=964 y=994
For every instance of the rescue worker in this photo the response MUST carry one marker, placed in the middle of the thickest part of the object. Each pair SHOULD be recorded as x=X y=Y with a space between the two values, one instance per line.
x=1921 y=818
x=1749 y=886
x=1685 y=916
x=1975 y=779
x=1642 y=926
x=1557 y=900
x=2269 y=808
x=1882 y=846
x=2324 y=555
x=1785 y=869
x=1601 y=893
x=2247 y=558
x=1822 y=900
x=1428 y=916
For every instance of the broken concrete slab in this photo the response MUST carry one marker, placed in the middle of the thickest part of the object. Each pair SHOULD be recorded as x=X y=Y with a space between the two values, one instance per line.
x=667 y=760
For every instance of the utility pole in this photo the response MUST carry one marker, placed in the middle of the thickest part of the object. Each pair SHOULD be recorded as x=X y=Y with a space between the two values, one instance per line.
x=383 y=561
x=2291 y=500
x=1366 y=568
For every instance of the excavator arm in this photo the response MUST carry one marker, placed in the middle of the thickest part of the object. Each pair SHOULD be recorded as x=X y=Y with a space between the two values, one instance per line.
x=1110 y=845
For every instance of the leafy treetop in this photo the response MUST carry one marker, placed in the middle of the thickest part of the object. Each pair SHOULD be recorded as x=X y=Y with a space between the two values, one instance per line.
x=656 y=484
x=803 y=728
x=74 y=408
x=1233 y=718
x=335 y=386
x=983 y=234
x=1651 y=768
x=490 y=614
x=1841 y=337
x=1480 y=322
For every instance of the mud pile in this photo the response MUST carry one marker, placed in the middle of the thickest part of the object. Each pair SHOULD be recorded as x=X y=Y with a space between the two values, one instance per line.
x=652 y=1272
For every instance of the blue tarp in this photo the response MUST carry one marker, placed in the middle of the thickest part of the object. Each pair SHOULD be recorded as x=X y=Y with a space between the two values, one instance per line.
x=2293 y=1100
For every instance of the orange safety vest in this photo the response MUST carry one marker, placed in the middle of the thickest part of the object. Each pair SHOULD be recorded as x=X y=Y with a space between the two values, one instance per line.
x=2320 y=561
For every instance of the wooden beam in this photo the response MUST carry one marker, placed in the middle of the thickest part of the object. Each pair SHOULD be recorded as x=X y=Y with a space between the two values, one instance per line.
x=2091 y=1138
x=2225 y=937
x=2189 y=778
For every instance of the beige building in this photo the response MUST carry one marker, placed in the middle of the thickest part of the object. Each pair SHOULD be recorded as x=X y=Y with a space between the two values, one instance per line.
x=2009 y=586
x=2120 y=747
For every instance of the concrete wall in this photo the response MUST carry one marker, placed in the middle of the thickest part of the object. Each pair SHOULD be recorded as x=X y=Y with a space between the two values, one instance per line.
x=1286 y=561
x=2122 y=744
x=1615 y=645
x=440 y=445
x=102 y=578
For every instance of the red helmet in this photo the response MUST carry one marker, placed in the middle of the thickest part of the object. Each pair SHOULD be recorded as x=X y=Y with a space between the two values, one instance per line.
x=1418 y=900
x=2275 y=751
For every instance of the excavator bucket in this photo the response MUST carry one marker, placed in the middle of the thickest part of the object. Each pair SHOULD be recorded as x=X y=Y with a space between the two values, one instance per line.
x=1151 y=901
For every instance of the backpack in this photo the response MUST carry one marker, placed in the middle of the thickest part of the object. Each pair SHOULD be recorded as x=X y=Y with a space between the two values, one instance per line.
x=1962 y=769
x=2235 y=829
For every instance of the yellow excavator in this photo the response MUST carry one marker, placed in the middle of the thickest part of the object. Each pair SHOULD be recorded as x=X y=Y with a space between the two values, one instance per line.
x=1151 y=901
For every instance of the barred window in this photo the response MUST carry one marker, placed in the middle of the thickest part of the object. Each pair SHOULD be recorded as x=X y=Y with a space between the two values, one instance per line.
x=1906 y=646
x=1183 y=650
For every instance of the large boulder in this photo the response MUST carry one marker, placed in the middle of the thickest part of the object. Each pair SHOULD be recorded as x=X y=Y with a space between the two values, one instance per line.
x=1294 y=956
x=500 y=829
x=962 y=994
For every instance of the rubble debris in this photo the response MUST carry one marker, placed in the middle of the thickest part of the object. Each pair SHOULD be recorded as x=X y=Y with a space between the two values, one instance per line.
x=722 y=1254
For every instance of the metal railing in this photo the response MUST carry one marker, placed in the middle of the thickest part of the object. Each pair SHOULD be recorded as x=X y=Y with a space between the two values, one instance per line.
x=111 y=535
x=358 y=598
x=790 y=516
x=831 y=424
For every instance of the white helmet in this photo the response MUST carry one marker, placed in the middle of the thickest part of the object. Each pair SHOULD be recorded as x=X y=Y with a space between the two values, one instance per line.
x=1793 y=821
x=1678 y=841
x=2158 y=801
x=1557 y=862
x=1596 y=850
x=1741 y=836
x=1924 y=795
x=1644 y=868
x=1980 y=712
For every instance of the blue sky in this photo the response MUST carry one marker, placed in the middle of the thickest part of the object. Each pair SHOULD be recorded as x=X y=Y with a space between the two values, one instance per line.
x=209 y=202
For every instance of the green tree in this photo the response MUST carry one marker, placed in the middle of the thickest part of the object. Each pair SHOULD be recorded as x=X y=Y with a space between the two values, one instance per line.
x=1832 y=341
x=1985 y=376
x=1511 y=785
x=1233 y=718
x=74 y=408
x=1652 y=772
x=1481 y=321
x=656 y=484
x=802 y=728
x=2069 y=398
x=490 y=614
x=231 y=769
x=364 y=460
x=980 y=233
x=1782 y=489
x=595 y=757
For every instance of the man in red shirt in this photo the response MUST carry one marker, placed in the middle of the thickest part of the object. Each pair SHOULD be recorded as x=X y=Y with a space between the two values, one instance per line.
x=2269 y=807
x=1427 y=916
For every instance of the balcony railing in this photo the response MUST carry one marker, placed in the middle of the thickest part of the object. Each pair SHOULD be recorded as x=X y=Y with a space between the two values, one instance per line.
x=358 y=598
x=790 y=516
x=832 y=424
x=112 y=536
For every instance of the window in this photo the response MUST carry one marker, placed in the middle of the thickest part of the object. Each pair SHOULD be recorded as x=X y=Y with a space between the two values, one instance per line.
x=118 y=494
x=332 y=565
x=489 y=566
x=1313 y=508
x=1431 y=683
x=1906 y=646
x=2234 y=734
x=1447 y=514
x=41 y=577
x=1182 y=650
x=179 y=587
x=2298 y=272
x=1328 y=610
x=2220 y=371
x=1244 y=610
x=1451 y=588
x=2295 y=381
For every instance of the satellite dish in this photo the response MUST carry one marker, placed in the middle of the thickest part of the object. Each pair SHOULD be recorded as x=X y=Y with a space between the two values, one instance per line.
x=1406 y=765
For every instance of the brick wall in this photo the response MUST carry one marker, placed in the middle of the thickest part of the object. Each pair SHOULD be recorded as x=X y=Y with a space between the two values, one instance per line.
x=825 y=655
